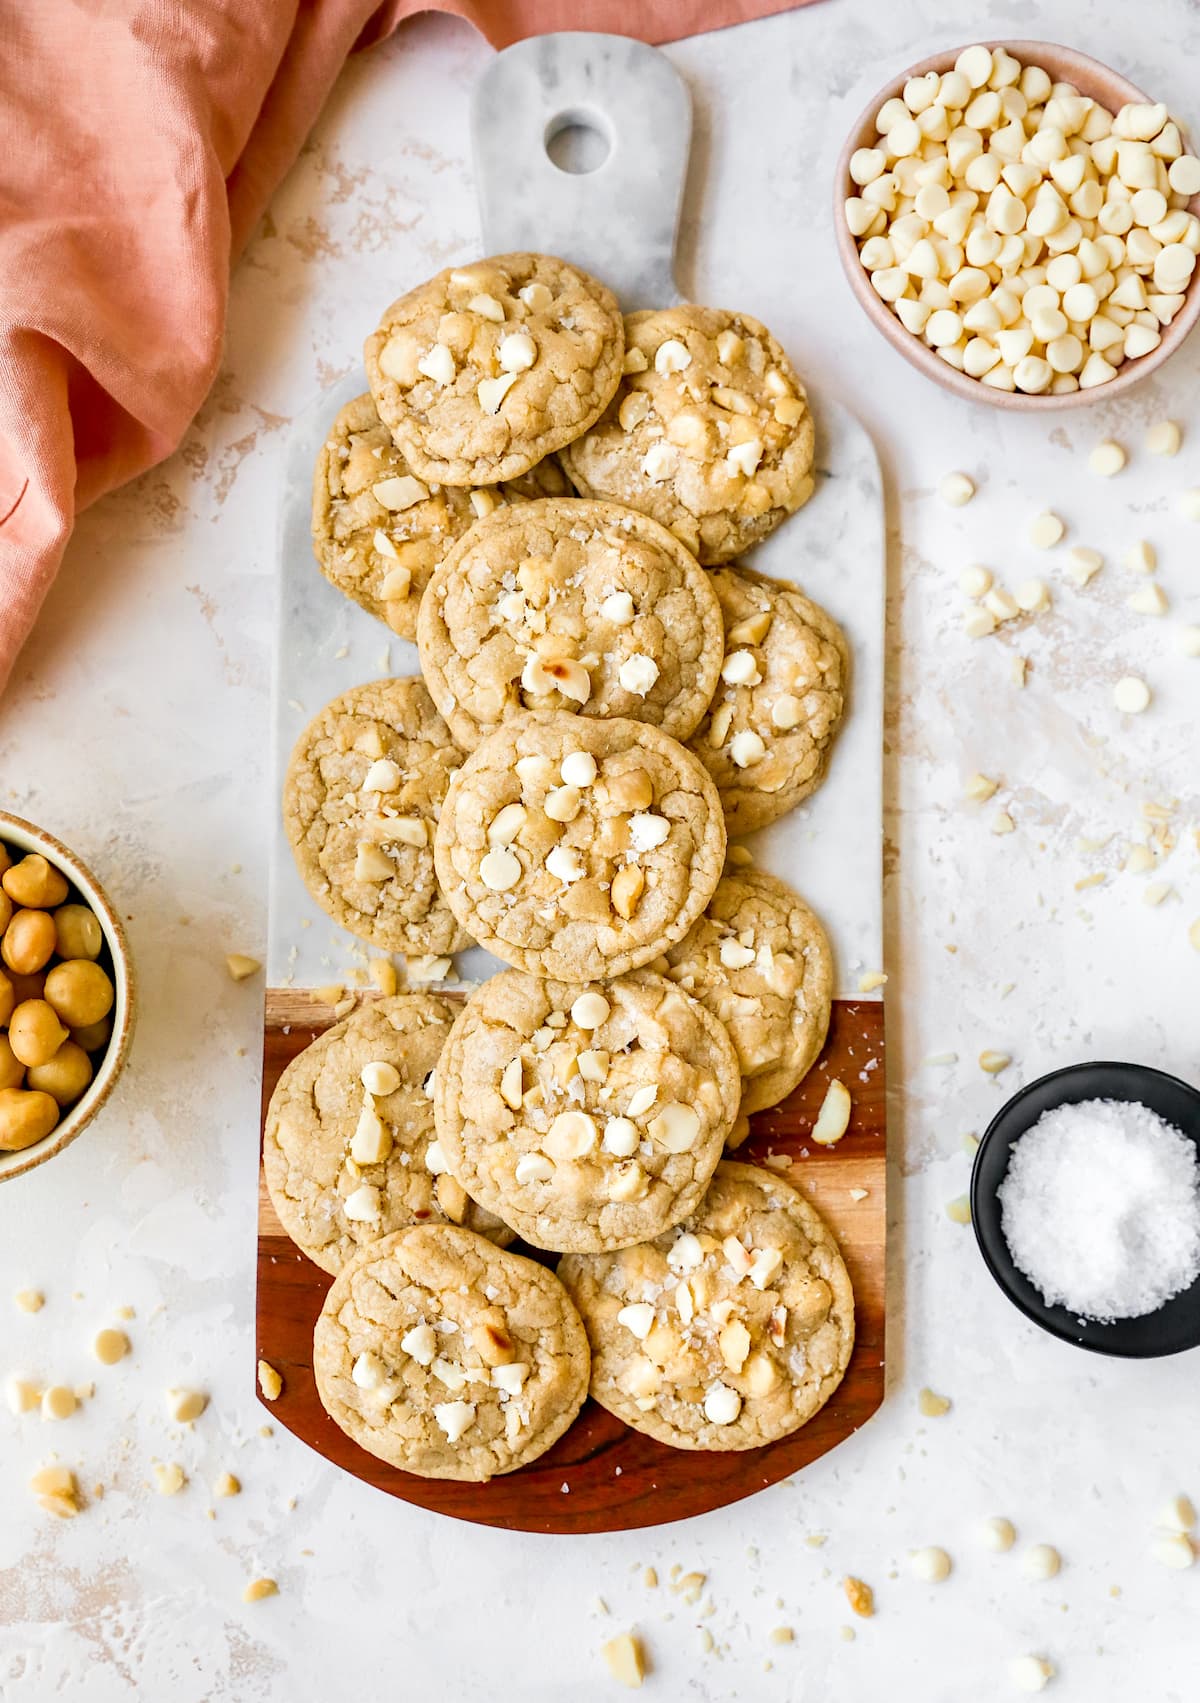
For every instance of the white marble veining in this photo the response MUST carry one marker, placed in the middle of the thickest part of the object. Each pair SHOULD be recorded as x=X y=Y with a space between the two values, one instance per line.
x=137 y=727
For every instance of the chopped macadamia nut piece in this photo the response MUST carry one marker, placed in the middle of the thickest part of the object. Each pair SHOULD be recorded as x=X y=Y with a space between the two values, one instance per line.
x=227 y=1485
x=169 y=1477
x=860 y=1596
x=269 y=1381
x=625 y=1658
x=241 y=967
x=931 y=1405
x=994 y=1062
x=30 y=1300
x=833 y=1119
x=56 y=1490
x=184 y=1406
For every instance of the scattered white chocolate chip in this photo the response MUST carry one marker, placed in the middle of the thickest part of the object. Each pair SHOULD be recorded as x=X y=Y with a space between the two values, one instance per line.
x=241 y=967
x=109 y=1346
x=56 y=1490
x=1032 y=596
x=1107 y=459
x=1041 y=1562
x=1002 y=823
x=562 y=803
x=1142 y=557
x=980 y=788
x=371 y=1142
x=675 y=1128
x=1131 y=695
x=833 y=1119
x=21 y=1395
x=1046 y=531
x=625 y=1660
x=570 y=1136
x=29 y=1300
x=1083 y=564
x=269 y=1381
x=956 y=489
x=975 y=581
x=1164 y=438
x=1179 y=1515
x=58 y=1402
x=998 y=1534
x=979 y=623
x=1031 y=1673
x=258 y=1590
x=435 y=1159
x=740 y=669
x=183 y=1406
x=958 y=1210
x=227 y=1485
x=1187 y=640
x=516 y=352
x=419 y=1343
x=672 y=356
x=1188 y=503
x=931 y=1564
x=1148 y=600
x=1173 y=1549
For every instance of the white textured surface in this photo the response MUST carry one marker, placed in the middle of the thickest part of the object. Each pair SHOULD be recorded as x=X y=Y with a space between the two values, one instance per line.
x=137 y=728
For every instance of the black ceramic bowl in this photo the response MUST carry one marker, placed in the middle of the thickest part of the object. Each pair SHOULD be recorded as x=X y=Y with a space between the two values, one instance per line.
x=1176 y=1325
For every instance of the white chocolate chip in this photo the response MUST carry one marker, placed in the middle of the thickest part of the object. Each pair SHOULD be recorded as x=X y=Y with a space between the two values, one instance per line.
x=618 y=607
x=1173 y=1549
x=978 y=623
x=722 y=1405
x=1142 y=557
x=744 y=458
x=371 y=1142
x=625 y=1661
x=379 y=1077
x=533 y=1168
x=1131 y=695
x=537 y=297
x=1032 y=595
x=1046 y=531
x=638 y=673
x=621 y=1138
x=368 y=1370
x=787 y=712
x=1031 y=1673
x=169 y=1478
x=980 y=788
x=733 y=955
x=740 y=669
x=998 y=1534
x=641 y=1100
x=660 y=462
x=931 y=1565
x=675 y=1128
x=578 y=769
x=1187 y=640
x=1107 y=458
x=764 y=1264
x=487 y=307
x=562 y=803
x=1164 y=438
x=382 y=776
x=590 y=1010
x=637 y=1318
x=542 y=675
x=647 y=831
x=1189 y=503
x=975 y=581
x=747 y=748
x=21 y=1395
x=109 y=1346
x=956 y=489
x=1148 y=600
x=506 y=824
x=686 y=1253
x=1041 y=1562
x=363 y=1205
x=510 y=1378
x=58 y=1402
x=565 y=864
x=499 y=869
x=517 y=352
x=570 y=1136
x=1082 y=564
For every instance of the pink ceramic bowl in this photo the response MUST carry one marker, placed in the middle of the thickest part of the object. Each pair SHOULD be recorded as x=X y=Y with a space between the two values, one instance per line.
x=22 y=837
x=1090 y=78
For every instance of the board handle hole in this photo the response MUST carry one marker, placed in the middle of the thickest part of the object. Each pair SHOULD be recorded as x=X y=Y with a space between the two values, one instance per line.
x=578 y=141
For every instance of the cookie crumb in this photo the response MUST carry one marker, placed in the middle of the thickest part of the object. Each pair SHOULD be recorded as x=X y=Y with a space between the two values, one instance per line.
x=269 y=1382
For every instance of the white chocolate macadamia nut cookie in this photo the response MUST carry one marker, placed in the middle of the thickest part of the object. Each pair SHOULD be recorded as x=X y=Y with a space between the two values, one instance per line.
x=578 y=848
x=362 y=794
x=1033 y=239
x=486 y=369
x=589 y=1116
x=759 y=960
x=349 y=1150
x=575 y=606
x=379 y=531
x=709 y=433
x=765 y=740
x=730 y=1330
x=449 y=1357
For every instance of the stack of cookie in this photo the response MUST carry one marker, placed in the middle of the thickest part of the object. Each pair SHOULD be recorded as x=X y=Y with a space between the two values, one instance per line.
x=603 y=702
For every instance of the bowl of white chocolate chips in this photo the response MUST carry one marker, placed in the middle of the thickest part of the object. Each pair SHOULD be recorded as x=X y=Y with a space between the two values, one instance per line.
x=66 y=996
x=1022 y=224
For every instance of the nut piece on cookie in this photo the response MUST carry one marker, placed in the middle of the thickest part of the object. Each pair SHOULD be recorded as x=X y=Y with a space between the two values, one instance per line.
x=574 y=606
x=728 y=1331
x=768 y=732
x=587 y=1117
x=709 y=431
x=486 y=369
x=449 y=1357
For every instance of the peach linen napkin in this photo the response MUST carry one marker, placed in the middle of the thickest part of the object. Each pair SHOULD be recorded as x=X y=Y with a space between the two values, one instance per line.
x=141 y=140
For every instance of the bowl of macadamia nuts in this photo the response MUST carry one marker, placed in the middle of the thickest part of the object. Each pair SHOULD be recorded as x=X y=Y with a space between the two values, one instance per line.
x=66 y=996
x=1022 y=224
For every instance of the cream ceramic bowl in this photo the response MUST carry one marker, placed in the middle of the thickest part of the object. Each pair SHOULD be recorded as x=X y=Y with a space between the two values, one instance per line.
x=21 y=836
x=1091 y=78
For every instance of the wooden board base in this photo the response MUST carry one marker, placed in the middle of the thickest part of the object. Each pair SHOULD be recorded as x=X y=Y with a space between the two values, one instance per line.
x=601 y=1476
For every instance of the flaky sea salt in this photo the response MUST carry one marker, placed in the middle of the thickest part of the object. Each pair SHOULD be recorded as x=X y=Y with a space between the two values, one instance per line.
x=1100 y=1207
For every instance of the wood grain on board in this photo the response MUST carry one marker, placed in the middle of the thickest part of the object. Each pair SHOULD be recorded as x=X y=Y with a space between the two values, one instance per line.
x=601 y=1476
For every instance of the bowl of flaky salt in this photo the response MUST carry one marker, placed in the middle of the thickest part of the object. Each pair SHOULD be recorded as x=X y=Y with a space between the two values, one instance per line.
x=1085 y=1199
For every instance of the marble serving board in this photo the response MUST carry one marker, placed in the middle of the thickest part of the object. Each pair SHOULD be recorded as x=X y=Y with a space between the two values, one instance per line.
x=618 y=221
